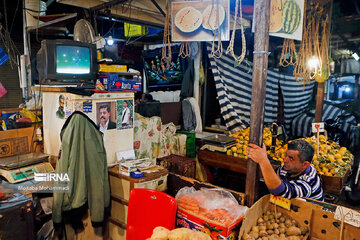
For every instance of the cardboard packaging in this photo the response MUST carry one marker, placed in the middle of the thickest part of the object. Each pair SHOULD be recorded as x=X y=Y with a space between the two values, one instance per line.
x=212 y=228
x=116 y=82
x=318 y=216
x=113 y=68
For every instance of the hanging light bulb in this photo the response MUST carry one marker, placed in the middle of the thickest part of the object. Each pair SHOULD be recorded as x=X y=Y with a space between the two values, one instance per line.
x=110 y=41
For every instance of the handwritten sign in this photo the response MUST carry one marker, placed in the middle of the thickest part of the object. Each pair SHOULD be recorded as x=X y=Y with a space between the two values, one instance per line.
x=350 y=216
x=280 y=201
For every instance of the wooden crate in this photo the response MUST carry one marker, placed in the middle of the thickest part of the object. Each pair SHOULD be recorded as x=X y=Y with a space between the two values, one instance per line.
x=334 y=184
x=178 y=164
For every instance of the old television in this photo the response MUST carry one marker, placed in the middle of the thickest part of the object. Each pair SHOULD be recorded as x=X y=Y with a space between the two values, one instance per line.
x=63 y=61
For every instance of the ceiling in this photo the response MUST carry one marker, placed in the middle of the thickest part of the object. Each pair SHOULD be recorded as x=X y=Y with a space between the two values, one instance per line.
x=107 y=16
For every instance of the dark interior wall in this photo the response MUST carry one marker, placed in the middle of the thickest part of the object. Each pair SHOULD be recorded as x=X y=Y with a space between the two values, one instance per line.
x=10 y=79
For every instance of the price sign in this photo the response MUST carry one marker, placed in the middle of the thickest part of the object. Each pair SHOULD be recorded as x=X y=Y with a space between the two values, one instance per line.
x=316 y=126
x=280 y=201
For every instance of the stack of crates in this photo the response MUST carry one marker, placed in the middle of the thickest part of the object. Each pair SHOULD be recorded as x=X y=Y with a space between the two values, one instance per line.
x=190 y=143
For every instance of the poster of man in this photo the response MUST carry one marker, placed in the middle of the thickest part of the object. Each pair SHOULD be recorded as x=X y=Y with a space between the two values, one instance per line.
x=125 y=114
x=106 y=115
x=60 y=113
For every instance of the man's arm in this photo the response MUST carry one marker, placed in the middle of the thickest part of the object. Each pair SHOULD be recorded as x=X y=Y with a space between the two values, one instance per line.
x=258 y=155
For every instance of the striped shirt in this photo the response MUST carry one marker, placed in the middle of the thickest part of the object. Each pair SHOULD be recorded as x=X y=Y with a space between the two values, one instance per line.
x=307 y=184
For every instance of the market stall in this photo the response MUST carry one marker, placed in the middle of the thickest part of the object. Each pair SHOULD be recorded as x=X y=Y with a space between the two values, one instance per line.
x=105 y=160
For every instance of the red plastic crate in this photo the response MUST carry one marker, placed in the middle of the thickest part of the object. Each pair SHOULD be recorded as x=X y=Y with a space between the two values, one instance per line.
x=178 y=164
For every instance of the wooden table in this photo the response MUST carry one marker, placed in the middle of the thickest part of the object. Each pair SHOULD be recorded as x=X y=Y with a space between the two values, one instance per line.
x=221 y=160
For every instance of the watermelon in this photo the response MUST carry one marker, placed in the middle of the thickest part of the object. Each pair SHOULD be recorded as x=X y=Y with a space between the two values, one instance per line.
x=291 y=17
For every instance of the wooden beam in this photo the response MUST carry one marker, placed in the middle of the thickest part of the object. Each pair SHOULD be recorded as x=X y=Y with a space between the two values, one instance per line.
x=107 y=5
x=356 y=88
x=319 y=101
x=158 y=7
x=55 y=21
x=261 y=47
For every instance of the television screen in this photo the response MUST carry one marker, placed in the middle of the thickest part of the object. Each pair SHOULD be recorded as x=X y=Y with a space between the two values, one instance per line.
x=72 y=59
x=66 y=62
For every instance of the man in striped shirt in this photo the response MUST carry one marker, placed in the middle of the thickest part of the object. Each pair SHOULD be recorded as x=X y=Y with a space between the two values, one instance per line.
x=296 y=178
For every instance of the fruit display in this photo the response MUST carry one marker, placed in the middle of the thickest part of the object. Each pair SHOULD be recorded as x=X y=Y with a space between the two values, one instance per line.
x=332 y=160
x=276 y=226
x=242 y=139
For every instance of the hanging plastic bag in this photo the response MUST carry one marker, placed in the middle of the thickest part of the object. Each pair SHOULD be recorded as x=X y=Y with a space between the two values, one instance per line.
x=2 y=90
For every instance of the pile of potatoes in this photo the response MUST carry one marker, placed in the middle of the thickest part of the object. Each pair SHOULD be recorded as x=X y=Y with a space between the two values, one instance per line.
x=273 y=226
x=161 y=233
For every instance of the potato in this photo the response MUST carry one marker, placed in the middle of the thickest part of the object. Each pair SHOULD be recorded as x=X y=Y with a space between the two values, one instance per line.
x=262 y=228
x=275 y=225
x=293 y=231
x=268 y=212
x=245 y=236
x=282 y=219
x=304 y=230
x=277 y=221
x=180 y=234
x=294 y=238
x=254 y=234
x=255 y=229
x=271 y=216
x=272 y=220
x=263 y=233
x=282 y=238
x=282 y=229
x=276 y=231
x=269 y=226
x=282 y=235
x=260 y=220
x=274 y=237
x=265 y=238
x=196 y=235
x=160 y=233
x=278 y=215
x=282 y=225
x=270 y=231
x=288 y=223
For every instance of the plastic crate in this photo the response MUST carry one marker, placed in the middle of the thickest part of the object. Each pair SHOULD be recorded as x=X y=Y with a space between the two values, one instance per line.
x=178 y=164
x=190 y=143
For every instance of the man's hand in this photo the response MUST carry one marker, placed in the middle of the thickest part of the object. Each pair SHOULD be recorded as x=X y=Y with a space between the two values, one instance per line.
x=256 y=153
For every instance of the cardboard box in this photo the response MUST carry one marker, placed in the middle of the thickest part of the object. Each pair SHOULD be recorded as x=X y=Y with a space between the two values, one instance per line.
x=318 y=216
x=216 y=230
x=121 y=84
x=116 y=82
x=112 y=68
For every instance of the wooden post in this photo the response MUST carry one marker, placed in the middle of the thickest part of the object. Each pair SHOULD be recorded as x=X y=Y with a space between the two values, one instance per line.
x=261 y=47
x=356 y=88
x=319 y=101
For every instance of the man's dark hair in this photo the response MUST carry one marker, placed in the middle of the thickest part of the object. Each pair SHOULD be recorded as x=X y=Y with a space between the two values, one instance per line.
x=306 y=151
x=148 y=97
x=61 y=97
x=105 y=106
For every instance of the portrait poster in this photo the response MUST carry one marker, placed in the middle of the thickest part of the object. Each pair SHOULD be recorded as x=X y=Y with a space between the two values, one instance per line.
x=125 y=114
x=286 y=19
x=106 y=115
x=200 y=20
x=60 y=108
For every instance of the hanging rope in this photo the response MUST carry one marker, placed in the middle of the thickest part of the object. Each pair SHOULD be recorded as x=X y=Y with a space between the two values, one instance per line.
x=185 y=50
x=288 y=49
x=166 y=48
x=316 y=20
x=219 y=50
x=230 y=48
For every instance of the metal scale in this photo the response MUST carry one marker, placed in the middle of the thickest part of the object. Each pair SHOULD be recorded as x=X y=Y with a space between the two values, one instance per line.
x=219 y=143
x=23 y=167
